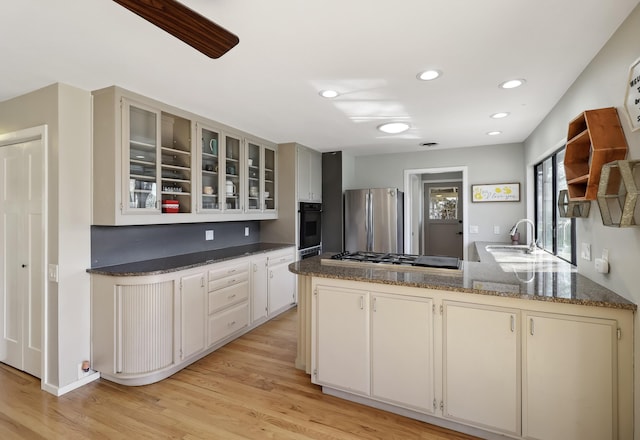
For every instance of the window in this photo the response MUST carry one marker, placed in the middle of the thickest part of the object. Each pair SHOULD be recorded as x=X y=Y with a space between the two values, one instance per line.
x=555 y=234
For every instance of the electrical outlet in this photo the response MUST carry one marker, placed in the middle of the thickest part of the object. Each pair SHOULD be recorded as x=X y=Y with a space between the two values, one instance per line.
x=586 y=251
x=473 y=229
x=52 y=272
x=496 y=229
x=246 y=231
x=208 y=235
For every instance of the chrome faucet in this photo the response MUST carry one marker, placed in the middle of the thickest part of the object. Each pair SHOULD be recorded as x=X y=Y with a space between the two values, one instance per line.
x=533 y=245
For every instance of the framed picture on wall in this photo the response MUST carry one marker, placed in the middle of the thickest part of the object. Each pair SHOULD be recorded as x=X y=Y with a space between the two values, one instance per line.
x=495 y=192
x=632 y=96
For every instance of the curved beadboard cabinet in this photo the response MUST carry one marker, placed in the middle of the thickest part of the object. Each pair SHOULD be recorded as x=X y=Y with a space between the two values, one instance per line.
x=146 y=326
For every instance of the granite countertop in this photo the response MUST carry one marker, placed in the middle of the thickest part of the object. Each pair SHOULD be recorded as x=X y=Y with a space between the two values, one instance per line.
x=541 y=277
x=181 y=262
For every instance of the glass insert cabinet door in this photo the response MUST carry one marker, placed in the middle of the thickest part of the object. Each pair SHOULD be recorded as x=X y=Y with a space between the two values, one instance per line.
x=254 y=172
x=209 y=194
x=232 y=172
x=175 y=164
x=141 y=134
x=269 y=179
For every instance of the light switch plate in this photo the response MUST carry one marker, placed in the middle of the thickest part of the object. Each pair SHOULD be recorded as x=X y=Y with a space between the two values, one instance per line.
x=586 y=251
x=52 y=272
x=496 y=229
x=473 y=229
x=246 y=231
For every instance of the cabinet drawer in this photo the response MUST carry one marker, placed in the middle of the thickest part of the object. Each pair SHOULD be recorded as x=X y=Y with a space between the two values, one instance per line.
x=225 y=323
x=221 y=283
x=280 y=259
x=221 y=298
x=228 y=270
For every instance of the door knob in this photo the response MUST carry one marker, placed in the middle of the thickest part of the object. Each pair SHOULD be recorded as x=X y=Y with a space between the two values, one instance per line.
x=459 y=233
x=24 y=265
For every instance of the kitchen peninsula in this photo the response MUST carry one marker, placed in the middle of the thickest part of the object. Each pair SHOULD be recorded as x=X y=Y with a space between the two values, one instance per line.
x=515 y=344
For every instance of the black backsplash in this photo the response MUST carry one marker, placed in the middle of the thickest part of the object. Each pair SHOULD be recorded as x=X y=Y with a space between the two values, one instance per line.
x=112 y=245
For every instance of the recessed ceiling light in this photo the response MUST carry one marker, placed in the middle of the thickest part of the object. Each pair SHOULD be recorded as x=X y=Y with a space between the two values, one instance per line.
x=500 y=115
x=429 y=75
x=494 y=133
x=328 y=93
x=393 y=127
x=512 y=84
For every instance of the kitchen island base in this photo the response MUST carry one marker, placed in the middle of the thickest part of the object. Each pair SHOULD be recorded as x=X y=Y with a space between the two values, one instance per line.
x=551 y=370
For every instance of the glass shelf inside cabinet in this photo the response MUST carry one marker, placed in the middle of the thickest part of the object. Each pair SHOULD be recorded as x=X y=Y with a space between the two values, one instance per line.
x=143 y=158
x=210 y=170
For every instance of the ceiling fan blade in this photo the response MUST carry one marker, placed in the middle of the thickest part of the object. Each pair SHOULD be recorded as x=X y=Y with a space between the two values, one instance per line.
x=185 y=24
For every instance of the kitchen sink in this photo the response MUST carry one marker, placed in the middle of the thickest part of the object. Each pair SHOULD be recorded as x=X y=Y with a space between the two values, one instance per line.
x=514 y=248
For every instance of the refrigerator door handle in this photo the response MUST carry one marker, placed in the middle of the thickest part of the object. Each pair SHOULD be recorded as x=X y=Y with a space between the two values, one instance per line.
x=367 y=220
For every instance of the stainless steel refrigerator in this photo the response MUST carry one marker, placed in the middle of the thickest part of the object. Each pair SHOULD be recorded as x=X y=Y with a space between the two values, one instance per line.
x=373 y=220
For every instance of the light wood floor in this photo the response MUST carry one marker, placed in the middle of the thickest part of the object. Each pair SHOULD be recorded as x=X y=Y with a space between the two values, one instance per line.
x=248 y=389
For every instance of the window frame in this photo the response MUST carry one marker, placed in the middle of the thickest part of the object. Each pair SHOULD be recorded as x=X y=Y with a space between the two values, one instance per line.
x=554 y=197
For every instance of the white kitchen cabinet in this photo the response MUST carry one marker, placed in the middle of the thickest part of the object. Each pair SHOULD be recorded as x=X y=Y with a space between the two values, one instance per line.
x=157 y=164
x=132 y=327
x=228 y=299
x=261 y=193
x=273 y=286
x=259 y=288
x=481 y=366
x=375 y=345
x=569 y=377
x=309 y=174
x=509 y=367
x=192 y=314
x=402 y=351
x=341 y=325
x=281 y=282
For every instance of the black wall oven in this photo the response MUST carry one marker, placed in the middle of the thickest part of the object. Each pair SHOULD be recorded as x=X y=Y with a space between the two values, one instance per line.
x=310 y=229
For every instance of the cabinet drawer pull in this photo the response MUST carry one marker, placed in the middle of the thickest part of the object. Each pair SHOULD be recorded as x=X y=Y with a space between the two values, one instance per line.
x=513 y=323
x=231 y=270
x=231 y=296
x=231 y=281
x=231 y=324
x=531 y=329
x=361 y=303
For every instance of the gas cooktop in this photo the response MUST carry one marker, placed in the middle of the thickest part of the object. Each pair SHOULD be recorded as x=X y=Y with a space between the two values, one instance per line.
x=396 y=261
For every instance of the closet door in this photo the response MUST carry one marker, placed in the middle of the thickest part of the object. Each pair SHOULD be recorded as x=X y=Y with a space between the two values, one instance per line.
x=21 y=265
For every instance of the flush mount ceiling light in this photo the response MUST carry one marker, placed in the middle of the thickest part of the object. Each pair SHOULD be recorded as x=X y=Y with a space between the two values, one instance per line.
x=500 y=115
x=393 y=127
x=511 y=84
x=494 y=133
x=328 y=93
x=429 y=75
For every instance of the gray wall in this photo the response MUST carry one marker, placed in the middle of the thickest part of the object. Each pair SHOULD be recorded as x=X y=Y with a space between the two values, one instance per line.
x=112 y=245
x=602 y=84
x=486 y=164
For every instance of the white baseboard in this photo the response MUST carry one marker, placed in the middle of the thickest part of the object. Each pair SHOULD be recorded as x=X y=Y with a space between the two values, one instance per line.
x=59 y=391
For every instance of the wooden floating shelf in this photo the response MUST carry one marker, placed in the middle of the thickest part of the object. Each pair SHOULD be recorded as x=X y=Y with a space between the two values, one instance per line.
x=595 y=138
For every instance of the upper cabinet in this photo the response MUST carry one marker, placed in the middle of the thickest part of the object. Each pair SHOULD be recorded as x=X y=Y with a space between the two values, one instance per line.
x=157 y=164
x=594 y=138
x=260 y=177
x=309 y=174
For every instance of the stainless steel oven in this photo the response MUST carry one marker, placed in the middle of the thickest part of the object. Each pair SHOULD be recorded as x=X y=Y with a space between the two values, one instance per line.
x=310 y=225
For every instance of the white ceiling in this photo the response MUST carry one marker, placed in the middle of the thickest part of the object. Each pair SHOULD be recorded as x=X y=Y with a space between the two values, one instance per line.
x=369 y=50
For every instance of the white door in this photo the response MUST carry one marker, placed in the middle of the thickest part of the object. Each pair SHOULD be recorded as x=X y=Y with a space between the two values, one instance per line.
x=443 y=221
x=569 y=378
x=259 y=289
x=192 y=314
x=341 y=339
x=482 y=366
x=282 y=287
x=22 y=256
x=402 y=355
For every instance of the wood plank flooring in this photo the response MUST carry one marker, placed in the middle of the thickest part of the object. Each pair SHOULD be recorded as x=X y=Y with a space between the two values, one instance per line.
x=248 y=389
